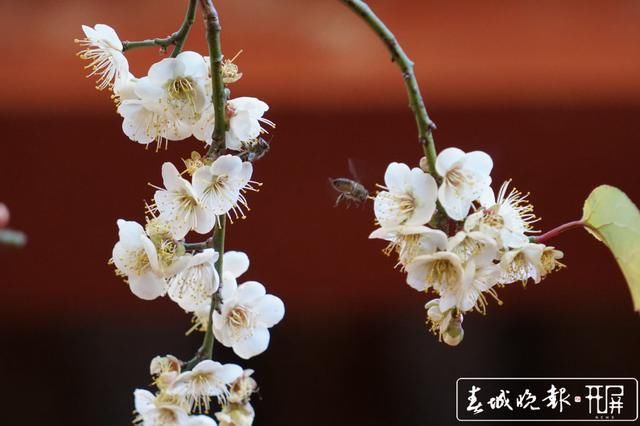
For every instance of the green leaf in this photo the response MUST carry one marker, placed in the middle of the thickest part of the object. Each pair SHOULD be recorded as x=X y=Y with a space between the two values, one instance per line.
x=611 y=217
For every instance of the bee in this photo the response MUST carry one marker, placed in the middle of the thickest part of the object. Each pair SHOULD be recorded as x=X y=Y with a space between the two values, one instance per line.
x=255 y=149
x=350 y=191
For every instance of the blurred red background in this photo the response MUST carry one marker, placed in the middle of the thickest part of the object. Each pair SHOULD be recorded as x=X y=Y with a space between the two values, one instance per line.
x=549 y=89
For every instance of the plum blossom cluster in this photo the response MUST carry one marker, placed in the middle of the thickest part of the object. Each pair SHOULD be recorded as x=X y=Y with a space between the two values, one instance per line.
x=182 y=395
x=175 y=101
x=455 y=237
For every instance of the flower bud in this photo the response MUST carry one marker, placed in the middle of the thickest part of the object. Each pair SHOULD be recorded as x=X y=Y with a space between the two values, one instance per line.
x=454 y=333
x=4 y=215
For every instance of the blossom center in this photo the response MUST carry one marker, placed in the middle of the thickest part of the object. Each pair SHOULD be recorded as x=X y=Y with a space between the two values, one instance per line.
x=406 y=246
x=456 y=177
x=492 y=218
x=182 y=89
x=443 y=272
x=239 y=318
x=167 y=252
x=139 y=261
x=186 y=202
x=468 y=248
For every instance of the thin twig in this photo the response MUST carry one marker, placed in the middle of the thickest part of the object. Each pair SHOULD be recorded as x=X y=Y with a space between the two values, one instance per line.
x=178 y=38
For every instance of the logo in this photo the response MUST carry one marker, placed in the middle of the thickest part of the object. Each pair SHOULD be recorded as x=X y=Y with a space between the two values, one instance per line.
x=546 y=399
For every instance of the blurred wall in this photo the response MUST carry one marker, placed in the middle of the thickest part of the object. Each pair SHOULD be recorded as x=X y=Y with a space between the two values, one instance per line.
x=548 y=88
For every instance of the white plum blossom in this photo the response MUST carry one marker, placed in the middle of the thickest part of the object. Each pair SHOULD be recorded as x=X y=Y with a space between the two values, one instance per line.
x=219 y=186
x=207 y=379
x=507 y=218
x=439 y=271
x=153 y=411
x=194 y=286
x=234 y=264
x=241 y=390
x=529 y=261
x=522 y=263
x=467 y=293
x=103 y=48
x=164 y=369
x=409 y=197
x=464 y=177
x=136 y=256
x=410 y=241
x=177 y=84
x=179 y=205
x=551 y=260
x=145 y=122
x=245 y=115
x=168 y=101
x=245 y=317
x=473 y=245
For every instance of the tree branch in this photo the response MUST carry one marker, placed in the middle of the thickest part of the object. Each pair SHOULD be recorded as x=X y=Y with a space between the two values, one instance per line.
x=424 y=123
x=213 y=28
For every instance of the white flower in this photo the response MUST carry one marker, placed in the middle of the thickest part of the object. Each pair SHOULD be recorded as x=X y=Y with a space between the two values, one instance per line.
x=207 y=379
x=236 y=415
x=411 y=241
x=165 y=369
x=467 y=294
x=177 y=84
x=464 y=178
x=507 y=219
x=551 y=260
x=194 y=286
x=245 y=116
x=439 y=271
x=104 y=49
x=135 y=256
x=234 y=264
x=154 y=412
x=241 y=390
x=219 y=186
x=473 y=245
x=179 y=206
x=533 y=261
x=145 y=121
x=245 y=316
x=409 y=197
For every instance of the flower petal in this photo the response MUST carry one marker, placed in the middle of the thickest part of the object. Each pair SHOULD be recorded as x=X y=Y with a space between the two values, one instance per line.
x=269 y=310
x=235 y=262
x=447 y=158
x=147 y=286
x=254 y=345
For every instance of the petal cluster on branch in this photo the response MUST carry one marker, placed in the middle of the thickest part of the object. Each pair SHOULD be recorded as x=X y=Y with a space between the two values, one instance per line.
x=458 y=240
x=175 y=101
